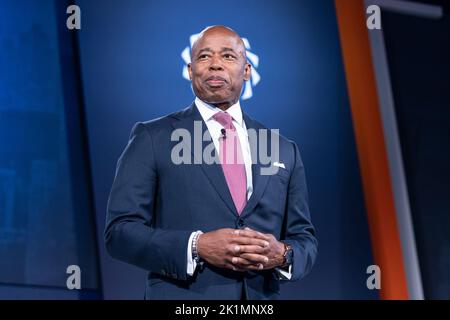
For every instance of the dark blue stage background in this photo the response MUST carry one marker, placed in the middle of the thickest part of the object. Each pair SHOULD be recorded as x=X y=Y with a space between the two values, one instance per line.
x=131 y=68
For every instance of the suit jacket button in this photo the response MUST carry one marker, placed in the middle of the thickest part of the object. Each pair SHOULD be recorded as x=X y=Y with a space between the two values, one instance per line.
x=240 y=223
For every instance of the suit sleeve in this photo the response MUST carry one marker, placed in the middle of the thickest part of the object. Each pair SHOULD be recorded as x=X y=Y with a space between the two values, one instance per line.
x=129 y=234
x=299 y=231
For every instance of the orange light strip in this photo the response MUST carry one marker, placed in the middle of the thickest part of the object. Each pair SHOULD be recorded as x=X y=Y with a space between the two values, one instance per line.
x=373 y=161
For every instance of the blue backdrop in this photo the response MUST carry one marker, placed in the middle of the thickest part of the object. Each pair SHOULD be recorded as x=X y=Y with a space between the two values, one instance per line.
x=131 y=70
x=46 y=216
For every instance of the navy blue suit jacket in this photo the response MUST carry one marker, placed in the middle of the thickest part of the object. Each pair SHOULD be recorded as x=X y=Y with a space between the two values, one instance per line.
x=155 y=205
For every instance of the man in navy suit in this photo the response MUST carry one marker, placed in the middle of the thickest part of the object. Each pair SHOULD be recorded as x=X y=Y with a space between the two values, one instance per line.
x=232 y=228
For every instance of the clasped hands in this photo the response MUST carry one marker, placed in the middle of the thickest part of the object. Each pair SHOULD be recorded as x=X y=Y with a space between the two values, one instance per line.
x=240 y=249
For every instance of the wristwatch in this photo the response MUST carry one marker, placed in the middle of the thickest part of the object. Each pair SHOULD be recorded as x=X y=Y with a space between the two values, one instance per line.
x=288 y=255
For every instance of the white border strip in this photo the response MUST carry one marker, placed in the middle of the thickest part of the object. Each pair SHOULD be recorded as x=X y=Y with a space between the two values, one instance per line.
x=391 y=137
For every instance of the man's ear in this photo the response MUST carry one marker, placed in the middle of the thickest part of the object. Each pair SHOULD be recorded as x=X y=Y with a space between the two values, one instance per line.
x=247 y=71
x=189 y=66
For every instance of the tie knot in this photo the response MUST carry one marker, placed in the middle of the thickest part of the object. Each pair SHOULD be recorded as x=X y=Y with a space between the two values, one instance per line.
x=224 y=119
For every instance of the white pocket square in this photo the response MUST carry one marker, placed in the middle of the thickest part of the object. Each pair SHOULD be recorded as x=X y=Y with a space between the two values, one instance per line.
x=279 y=165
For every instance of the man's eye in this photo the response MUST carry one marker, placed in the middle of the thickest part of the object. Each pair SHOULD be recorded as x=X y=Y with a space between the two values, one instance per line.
x=228 y=56
x=203 y=56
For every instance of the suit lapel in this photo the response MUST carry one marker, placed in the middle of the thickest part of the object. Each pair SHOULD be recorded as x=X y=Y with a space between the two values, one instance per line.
x=259 y=181
x=213 y=172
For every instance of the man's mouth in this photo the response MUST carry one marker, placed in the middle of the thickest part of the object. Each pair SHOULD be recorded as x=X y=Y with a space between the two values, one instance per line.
x=215 y=81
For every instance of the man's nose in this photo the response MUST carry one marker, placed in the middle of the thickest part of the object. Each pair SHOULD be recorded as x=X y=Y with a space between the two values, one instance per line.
x=215 y=65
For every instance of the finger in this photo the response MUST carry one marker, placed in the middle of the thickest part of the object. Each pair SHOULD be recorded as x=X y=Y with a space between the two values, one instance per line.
x=235 y=267
x=262 y=235
x=255 y=267
x=247 y=232
x=251 y=241
x=253 y=258
x=240 y=262
x=243 y=264
x=252 y=249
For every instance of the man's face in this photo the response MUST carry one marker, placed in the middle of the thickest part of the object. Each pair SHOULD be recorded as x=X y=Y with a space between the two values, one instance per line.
x=219 y=67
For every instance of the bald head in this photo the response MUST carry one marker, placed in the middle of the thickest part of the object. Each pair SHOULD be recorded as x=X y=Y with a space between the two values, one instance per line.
x=218 y=66
x=219 y=30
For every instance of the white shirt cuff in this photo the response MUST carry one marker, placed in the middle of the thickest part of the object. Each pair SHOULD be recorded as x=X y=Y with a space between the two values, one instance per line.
x=191 y=263
x=283 y=274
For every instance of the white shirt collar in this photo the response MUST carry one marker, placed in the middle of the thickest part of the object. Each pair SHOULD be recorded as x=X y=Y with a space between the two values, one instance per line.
x=207 y=111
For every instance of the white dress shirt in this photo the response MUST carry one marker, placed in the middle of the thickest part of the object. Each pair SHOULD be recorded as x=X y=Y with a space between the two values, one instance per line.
x=207 y=111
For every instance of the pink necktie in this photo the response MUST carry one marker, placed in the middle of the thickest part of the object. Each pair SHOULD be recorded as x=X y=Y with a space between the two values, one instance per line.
x=232 y=161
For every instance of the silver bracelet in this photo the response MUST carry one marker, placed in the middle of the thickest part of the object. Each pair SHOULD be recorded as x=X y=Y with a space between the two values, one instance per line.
x=195 y=255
